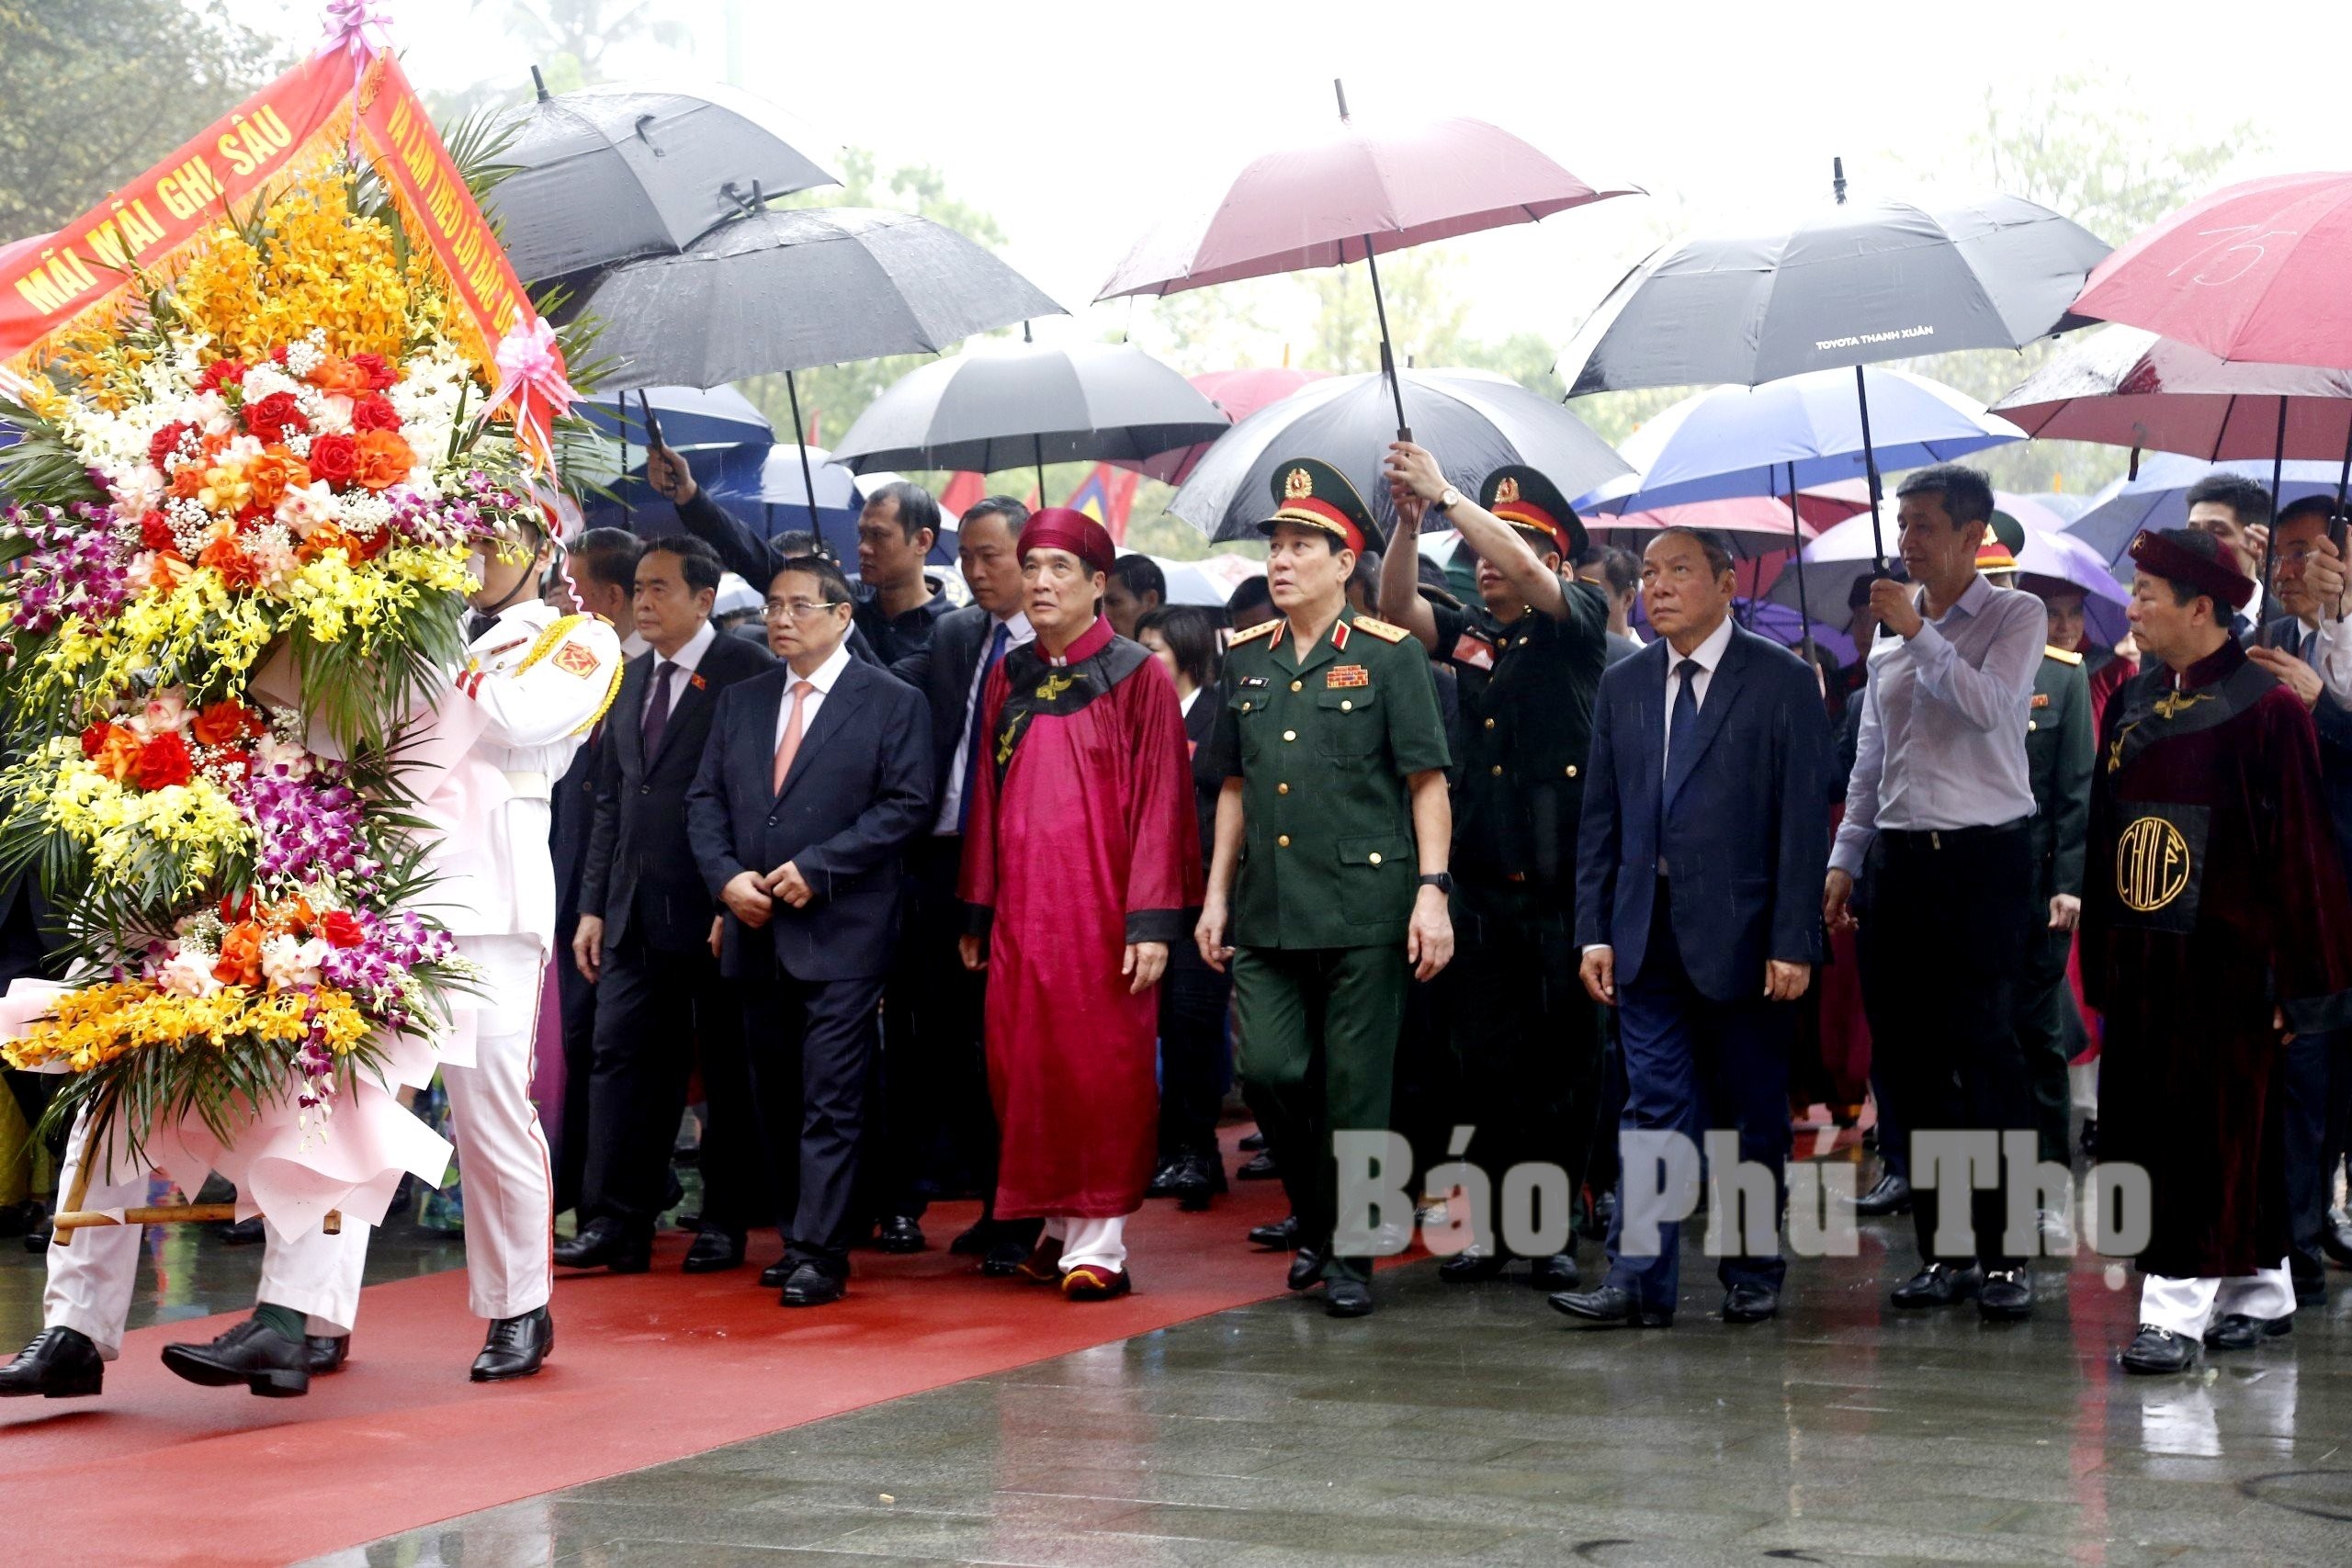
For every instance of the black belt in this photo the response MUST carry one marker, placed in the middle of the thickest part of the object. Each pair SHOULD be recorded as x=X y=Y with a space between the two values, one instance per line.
x=1950 y=838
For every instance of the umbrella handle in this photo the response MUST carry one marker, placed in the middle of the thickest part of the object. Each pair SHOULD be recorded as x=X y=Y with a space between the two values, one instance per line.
x=1387 y=354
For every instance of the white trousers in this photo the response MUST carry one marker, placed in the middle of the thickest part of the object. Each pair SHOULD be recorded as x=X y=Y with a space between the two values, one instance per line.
x=503 y=1161
x=2187 y=1307
x=90 y=1283
x=1103 y=1243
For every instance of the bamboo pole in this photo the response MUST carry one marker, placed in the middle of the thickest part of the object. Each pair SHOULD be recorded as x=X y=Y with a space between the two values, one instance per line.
x=167 y=1214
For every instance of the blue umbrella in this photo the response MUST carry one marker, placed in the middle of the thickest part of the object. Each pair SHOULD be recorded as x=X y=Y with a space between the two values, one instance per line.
x=1733 y=440
x=686 y=416
x=763 y=485
x=2158 y=496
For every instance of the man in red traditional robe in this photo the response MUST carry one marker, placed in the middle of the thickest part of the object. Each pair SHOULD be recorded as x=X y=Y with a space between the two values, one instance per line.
x=2217 y=918
x=1081 y=863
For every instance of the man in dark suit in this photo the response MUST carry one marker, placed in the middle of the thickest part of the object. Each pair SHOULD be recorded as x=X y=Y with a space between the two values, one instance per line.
x=1705 y=832
x=604 y=579
x=937 y=1125
x=817 y=778
x=643 y=939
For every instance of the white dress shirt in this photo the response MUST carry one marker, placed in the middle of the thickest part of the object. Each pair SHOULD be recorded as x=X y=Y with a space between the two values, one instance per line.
x=685 y=659
x=1942 y=740
x=632 y=645
x=1184 y=703
x=951 y=800
x=2332 y=657
x=822 y=680
x=1708 y=654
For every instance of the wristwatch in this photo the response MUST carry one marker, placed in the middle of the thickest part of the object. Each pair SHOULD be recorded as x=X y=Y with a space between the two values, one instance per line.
x=1441 y=880
x=1449 y=501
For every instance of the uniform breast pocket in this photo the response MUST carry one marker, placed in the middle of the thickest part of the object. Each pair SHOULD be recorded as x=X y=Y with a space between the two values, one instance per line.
x=1347 y=722
x=1378 y=876
x=1249 y=716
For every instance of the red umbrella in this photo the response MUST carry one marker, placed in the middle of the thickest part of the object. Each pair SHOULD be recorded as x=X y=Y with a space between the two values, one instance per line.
x=1356 y=193
x=1757 y=525
x=2123 y=387
x=1240 y=394
x=2252 y=272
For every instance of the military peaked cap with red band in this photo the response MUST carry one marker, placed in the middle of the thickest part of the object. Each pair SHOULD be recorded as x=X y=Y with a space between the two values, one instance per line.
x=1314 y=494
x=2004 y=537
x=2163 y=555
x=1534 y=505
x=1059 y=528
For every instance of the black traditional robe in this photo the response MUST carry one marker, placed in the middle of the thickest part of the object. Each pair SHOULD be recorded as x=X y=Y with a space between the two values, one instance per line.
x=2215 y=896
x=1081 y=840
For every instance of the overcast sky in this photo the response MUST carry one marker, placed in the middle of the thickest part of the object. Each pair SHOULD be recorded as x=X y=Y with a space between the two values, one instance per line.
x=1076 y=121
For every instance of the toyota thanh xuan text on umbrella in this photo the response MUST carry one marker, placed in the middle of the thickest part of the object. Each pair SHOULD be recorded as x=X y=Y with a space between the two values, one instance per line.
x=1355 y=194
x=1856 y=285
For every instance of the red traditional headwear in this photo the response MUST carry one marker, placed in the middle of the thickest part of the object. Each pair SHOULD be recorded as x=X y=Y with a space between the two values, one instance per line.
x=2162 y=556
x=1059 y=528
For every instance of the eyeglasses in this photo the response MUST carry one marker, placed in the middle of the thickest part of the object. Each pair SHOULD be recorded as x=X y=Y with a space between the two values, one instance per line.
x=799 y=609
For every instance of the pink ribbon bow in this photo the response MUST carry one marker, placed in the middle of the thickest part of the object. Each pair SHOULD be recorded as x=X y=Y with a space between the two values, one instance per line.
x=530 y=376
x=356 y=29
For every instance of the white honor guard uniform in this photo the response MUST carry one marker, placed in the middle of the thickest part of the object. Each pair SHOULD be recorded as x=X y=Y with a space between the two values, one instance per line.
x=536 y=683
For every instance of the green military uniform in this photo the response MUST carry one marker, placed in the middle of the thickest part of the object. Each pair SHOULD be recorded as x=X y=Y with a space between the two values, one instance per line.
x=1527 y=1038
x=1323 y=739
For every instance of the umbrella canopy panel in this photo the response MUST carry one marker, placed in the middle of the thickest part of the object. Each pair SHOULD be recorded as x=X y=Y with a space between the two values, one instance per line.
x=1474 y=421
x=689 y=416
x=2124 y=387
x=617 y=171
x=790 y=290
x=1033 y=404
x=1856 y=285
x=1239 y=394
x=2159 y=497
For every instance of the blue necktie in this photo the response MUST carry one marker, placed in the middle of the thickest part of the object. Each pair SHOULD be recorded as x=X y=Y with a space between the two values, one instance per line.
x=998 y=642
x=1681 y=729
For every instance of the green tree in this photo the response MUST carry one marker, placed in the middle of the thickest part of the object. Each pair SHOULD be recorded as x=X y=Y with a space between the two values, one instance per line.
x=569 y=39
x=99 y=91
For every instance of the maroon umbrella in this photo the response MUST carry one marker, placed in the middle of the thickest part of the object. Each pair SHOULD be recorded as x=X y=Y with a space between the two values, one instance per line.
x=2252 y=272
x=2124 y=387
x=1355 y=194
x=1240 y=394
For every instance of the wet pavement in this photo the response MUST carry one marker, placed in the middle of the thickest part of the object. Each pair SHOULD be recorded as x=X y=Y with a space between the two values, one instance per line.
x=1472 y=1424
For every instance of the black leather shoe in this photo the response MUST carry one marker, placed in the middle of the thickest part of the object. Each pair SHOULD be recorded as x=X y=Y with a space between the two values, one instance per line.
x=325 y=1353
x=1260 y=1167
x=1612 y=1306
x=975 y=1239
x=812 y=1286
x=1004 y=1260
x=713 y=1252
x=1164 y=1180
x=59 y=1363
x=1306 y=1268
x=2309 y=1282
x=1280 y=1237
x=1194 y=1188
x=2006 y=1296
x=1750 y=1303
x=1891 y=1195
x=252 y=1353
x=36 y=1239
x=1470 y=1266
x=2158 y=1352
x=1604 y=1214
x=1557 y=1272
x=1937 y=1284
x=2335 y=1237
x=516 y=1348
x=604 y=1242
x=1250 y=1143
x=773 y=1277
x=2238 y=1331
x=900 y=1233
x=1348 y=1298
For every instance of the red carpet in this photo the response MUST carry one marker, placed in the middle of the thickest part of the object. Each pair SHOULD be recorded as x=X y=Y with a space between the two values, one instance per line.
x=647 y=1369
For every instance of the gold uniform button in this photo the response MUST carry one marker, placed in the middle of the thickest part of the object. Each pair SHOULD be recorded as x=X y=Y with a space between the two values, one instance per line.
x=1497 y=770
x=1282 y=789
x=1490 y=724
x=1374 y=857
x=1347 y=705
x=1572 y=770
x=2031 y=726
x=1284 y=840
x=1290 y=734
x=1245 y=707
x=1298 y=685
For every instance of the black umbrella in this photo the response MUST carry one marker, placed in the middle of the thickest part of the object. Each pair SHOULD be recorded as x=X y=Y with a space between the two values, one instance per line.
x=1474 y=421
x=1857 y=285
x=793 y=289
x=617 y=171
x=1032 y=405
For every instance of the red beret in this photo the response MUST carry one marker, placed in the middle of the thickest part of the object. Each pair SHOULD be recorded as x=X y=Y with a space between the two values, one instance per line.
x=2159 y=556
x=1059 y=528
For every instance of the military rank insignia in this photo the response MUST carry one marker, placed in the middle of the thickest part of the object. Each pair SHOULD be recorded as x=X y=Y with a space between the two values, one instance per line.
x=1474 y=651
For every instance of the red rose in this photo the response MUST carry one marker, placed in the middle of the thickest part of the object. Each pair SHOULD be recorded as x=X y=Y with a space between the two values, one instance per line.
x=164 y=761
x=335 y=459
x=167 y=441
x=380 y=374
x=341 y=930
x=221 y=373
x=94 y=739
x=375 y=411
x=275 y=418
x=154 y=534
x=217 y=723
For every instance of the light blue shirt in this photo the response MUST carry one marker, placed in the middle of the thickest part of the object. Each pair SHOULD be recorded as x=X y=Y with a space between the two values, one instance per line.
x=1942 y=740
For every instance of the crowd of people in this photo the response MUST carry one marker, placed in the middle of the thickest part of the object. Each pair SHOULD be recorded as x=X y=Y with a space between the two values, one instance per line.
x=1001 y=900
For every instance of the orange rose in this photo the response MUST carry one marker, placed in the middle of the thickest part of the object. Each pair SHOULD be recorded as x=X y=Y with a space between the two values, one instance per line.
x=186 y=479
x=227 y=558
x=336 y=374
x=222 y=722
x=239 y=962
x=385 y=458
x=113 y=748
x=272 y=474
x=325 y=538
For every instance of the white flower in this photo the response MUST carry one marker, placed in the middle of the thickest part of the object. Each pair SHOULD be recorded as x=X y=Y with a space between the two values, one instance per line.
x=188 y=973
x=305 y=509
x=276 y=756
x=210 y=414
x=166 y=711
x=420 y=480
x=332 y=416
x=298 y=444
x=264 y=379
x=286 y=962
x=365 y=512
x=138 y=491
